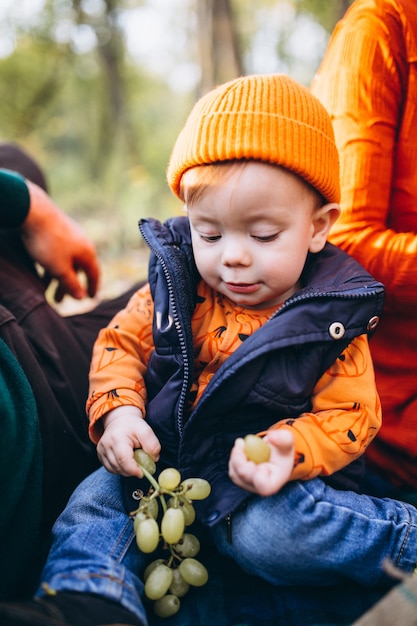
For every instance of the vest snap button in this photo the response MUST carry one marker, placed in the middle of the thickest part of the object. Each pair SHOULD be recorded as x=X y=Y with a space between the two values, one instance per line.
x=373 y=323
x=336 y=330
x=137 y=494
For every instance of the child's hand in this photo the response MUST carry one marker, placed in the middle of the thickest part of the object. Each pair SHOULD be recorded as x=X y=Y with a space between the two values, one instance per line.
x=267 y=478
x=124 y=431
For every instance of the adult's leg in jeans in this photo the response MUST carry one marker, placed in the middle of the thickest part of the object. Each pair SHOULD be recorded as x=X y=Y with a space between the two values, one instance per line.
x=309 y=533
x=93 y=549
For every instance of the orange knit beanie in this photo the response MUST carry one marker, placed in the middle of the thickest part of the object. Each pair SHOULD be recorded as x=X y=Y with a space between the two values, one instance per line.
x=269 y=118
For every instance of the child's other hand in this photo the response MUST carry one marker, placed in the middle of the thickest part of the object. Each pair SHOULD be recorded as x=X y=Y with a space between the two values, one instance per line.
x=124 y=431
x=268 y=478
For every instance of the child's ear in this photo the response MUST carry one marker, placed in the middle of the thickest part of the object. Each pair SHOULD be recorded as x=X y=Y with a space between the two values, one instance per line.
x=323 y=220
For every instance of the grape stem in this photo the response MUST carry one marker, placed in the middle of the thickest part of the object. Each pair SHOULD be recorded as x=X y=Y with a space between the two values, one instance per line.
x=155 y=486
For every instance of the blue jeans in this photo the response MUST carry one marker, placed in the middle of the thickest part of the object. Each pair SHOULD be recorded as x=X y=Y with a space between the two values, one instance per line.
x=307 y=534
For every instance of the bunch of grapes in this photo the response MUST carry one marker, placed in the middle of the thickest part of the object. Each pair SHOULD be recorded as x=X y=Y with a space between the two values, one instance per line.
x=164 y=515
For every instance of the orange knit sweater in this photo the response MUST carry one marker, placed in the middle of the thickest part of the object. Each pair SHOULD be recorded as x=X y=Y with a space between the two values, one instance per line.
x=368 y=82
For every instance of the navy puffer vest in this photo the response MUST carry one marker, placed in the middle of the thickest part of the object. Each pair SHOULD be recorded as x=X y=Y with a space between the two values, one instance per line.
x=270 y=377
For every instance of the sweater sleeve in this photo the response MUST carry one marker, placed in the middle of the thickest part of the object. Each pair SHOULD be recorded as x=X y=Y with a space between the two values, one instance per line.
x=14 y=199
x=120 y=357
x=362 y=82
x=345 y=415
x=20 y=472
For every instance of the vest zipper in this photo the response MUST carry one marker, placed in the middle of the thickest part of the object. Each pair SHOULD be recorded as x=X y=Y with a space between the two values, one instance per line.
x=178 y=328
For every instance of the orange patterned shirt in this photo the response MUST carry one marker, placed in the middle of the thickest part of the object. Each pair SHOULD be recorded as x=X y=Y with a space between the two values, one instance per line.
x=345 y=412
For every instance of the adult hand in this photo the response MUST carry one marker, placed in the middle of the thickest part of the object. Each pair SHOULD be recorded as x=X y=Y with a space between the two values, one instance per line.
x=60 y=246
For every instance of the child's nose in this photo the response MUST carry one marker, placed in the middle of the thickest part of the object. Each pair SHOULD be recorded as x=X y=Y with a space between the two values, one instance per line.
x=235 y=253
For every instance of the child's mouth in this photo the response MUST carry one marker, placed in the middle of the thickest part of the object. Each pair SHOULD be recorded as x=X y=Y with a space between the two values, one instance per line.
x=242 y=287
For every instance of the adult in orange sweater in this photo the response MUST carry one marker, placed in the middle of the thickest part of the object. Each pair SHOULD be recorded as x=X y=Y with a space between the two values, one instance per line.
x=368 y=83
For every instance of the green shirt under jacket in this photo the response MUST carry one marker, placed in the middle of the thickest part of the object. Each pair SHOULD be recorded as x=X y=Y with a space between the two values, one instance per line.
x=20 y=441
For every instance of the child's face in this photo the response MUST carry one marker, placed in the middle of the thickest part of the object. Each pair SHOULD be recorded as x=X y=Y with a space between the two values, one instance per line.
x=252 y=232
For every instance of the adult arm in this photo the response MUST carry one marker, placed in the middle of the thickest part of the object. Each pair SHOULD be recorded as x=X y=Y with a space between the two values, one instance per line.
x=363 y=83
x=60 y=246
x=51 y=238
x=14 y=199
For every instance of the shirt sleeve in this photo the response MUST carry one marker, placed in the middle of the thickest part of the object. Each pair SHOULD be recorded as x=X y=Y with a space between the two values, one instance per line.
x=362 y=82
x=345 y=415
x=14 y=199
x=120 y=357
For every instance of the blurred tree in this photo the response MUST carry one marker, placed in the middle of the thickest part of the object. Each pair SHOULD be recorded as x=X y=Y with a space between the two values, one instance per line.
x=327 y=13
x=30 y=79
x=70 y=93
x=110 y=51
x=285 y=35
x=219 y=52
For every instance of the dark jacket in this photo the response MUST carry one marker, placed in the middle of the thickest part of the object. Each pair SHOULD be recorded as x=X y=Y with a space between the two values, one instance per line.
x=270 y=377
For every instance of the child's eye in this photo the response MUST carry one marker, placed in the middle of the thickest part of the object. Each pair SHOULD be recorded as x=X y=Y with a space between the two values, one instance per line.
x=210 y=238
x=265 y=238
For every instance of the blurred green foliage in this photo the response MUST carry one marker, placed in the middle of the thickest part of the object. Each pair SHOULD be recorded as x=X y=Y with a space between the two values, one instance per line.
x=100 y=121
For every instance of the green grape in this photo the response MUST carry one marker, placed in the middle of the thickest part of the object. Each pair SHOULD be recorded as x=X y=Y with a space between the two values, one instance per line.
x=158 y=582
x=167 y=606
x=151 y=567
x=196 y=488
x=143 y=459
x=169 y=478
x=256 y=449
x=193 y=572
x=172 y=525
x=138 y=519
x=179 y=586
x=188 y=511
x=188 y=545
x=186 y=507
x=149 y=506
x=147 y=535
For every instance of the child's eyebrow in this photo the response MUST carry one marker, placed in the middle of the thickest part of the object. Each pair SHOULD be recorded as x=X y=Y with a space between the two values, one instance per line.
x=207 y=219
